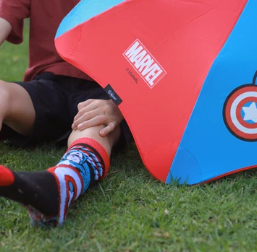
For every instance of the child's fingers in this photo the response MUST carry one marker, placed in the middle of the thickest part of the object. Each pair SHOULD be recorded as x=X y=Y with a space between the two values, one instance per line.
x=85 y=108
x=85 y=117
x=108 y=129
x=95 y=121
x=85 y=103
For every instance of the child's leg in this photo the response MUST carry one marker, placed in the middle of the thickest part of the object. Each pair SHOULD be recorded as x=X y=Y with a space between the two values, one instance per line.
x=47 y=195
x=16 y=108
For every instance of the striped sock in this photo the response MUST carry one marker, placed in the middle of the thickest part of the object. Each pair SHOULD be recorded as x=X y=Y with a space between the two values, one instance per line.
x=47 y=195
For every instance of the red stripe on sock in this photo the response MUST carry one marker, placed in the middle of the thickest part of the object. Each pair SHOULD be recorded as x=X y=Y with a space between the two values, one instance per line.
x=6 y=176
x=98 y=147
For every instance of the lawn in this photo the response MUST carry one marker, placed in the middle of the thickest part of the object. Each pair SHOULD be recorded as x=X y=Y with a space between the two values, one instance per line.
x=129 y=211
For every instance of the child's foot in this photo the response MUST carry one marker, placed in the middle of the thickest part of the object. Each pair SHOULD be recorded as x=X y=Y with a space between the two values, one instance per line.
x=36 y=191
x=47 y=195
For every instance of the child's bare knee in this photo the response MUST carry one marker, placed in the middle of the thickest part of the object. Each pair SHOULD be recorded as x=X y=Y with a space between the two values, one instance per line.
x=4 y=89
x=4 y=92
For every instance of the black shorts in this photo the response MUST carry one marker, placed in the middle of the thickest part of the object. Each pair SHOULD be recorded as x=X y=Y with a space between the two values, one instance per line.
x=55 y=99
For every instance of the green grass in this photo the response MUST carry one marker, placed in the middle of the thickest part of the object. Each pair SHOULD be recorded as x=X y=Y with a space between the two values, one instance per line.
x=129 y=211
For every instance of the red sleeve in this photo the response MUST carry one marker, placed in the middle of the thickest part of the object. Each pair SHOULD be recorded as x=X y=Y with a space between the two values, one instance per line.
x=14 y=11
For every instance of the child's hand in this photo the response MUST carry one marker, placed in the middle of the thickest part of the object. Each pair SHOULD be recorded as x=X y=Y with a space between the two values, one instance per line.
x=97 y=112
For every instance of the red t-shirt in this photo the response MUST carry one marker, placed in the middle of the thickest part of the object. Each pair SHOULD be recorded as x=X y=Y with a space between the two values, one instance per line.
x=45 y=17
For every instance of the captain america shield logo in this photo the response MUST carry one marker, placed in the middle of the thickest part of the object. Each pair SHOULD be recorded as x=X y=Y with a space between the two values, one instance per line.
x=240 y=112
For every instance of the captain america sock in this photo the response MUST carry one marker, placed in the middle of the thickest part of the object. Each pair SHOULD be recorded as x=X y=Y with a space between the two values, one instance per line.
x=47 y=195
x=85 y=163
